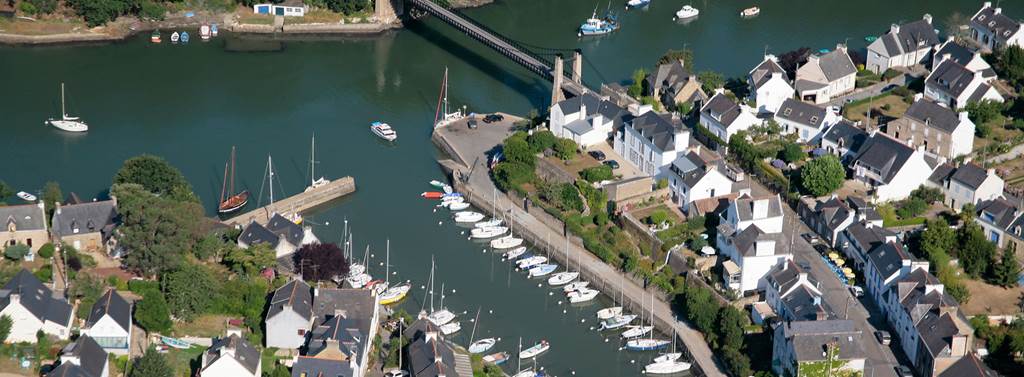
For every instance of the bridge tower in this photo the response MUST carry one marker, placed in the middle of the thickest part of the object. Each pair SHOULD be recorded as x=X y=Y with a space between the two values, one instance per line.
x=388 y=11
x=557 y=76
x=577 y=66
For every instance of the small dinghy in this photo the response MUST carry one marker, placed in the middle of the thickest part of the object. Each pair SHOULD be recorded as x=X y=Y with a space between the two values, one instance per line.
x=204 y=32
x=506 y=242
x=686 y=12
x=637 y=3
x=515 y=253
x=610 y=312
x=530 y=262
x=214 y=30
x=482 y=345
x=576 y=286
x=155 y=37
x=437 y=184
x=542 y=270
x=26 y=196
x=582 y=295
x=750 y=12
x=636 y=332
x=184 y=37
x=496 y=358
x=537 y=349
x=174 y=37
x=458 y=205
x=562 y=278
x=432 y=194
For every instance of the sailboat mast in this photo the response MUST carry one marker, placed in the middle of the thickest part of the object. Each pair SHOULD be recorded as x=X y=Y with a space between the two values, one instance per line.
x=472 y=335
x=387 y=264
x=63 y=112
x=223 y=184
x=431 y=284
x=270 y=168
x=312 y=160
x=232 y=170
x=442 y=98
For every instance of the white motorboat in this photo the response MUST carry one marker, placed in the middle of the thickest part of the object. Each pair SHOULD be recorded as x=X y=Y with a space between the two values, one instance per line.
x=687 y=11
x=637 y=3
x=441 y=317
x=383 y=131
x=636 y=331
x=609 y=312
x=314 y=183
x=506 y=242
x=575 y=286
x=489 y=223
x=750 y=12
x=488 y=232
x=537 y=349
x=468 y=217
x=515 y=253
x=67 y=123
x=482 y=345
x=356 y=269
x=530 y=262
x=458 y=206
x=617 y=322
x=562 y=278
x=583 y=295
x=358 y=281
x=450 y=328
x=204 y=32
x=26 y=196
x=175 y=37
x=667 y=367
x=542 y=270
x=668 y=357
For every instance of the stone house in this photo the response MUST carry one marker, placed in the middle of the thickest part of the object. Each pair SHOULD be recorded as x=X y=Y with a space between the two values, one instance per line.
x=24 y=224
x=86 y=226
x=941 y=131
x=843 y=140
x=672 y=84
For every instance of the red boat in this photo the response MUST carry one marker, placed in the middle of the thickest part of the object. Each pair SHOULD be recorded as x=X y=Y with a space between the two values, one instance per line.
x=432 y=194
x=235 y=201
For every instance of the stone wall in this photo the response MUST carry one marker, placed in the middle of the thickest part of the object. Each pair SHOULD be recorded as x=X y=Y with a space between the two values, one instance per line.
x=551 y=172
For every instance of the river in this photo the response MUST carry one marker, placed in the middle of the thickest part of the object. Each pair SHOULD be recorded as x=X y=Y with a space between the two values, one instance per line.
x=191 y=103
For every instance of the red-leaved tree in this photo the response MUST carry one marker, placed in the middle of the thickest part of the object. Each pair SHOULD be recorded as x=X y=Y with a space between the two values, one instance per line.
x=321 y=261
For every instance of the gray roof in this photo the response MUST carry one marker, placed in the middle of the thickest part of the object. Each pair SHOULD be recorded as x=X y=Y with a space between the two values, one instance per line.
x=763 y=72
x=956 y=52
x=112 y=304
x=573 y=105
x=24 y=217
x=255 y=233
x=852 y=137
x=668 y=75
x=885 y=154
x=244 y=353
x=745 y=206
x=656 y=128
x=691 y=168
x=979 y=92
x=429 y=355
x=968 y=366
x=35 y=297
x=868 y=238
x=937 y=331
x=942 y=173
x=836 y=64
x=832 y=213
x=809 y=339
x=746 y=241
x=998 y=24
x=970 y=175
x=579 y=126
x=355 y=303
x=86 y=218
x=950 y=77
x=285 y=229
x=912 y=36
x=295 y=294
x=932 y=114
x=805 y=85
x=801 y=112
x=312 y=367
x=999 y=212
x=90 y=356
x=887 y=258
x=803 y=305
x=722 y=109
x=340 y=334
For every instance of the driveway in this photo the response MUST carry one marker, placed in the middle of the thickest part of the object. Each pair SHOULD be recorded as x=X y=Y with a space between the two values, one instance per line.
x=626 y=170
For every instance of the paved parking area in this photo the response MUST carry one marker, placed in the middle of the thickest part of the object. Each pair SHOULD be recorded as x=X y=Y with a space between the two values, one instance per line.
x=626 y=170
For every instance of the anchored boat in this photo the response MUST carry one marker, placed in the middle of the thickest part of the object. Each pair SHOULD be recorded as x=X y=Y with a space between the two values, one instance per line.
x=234 y=201
x=537 y=349
x=687 y=11
x=598 y=26
x=67 y=123
x=383 y=131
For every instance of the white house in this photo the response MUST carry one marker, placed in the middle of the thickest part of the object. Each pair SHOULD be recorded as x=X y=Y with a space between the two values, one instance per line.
x=969 y=58
x=886 y=263
x=750 y=235
x=892 y=169
x=952 y=83
x=793 y=294
x=765 y=212
x=693 y=177
x=806 y=344
x=651 y=141
x=346 y=324
x=998 y=218
x=858 y=239
x=231 y=356
x=110 y=323
x=586 y=119
x=826 y=76
x=993 y=30
x=290 y=8
x=32 y=307
x=843 y=140
x=903 y=46
x=941 y=131
x=724 y=118
x=805 y=120
x=83 y=358
x=769 y=85
x=283 y=235
x=290 y=315
x=968 y=183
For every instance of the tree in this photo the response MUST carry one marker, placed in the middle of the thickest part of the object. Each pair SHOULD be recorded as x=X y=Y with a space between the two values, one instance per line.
x=5 y=191
x=657 y=217
x=565 y=148
x=321 y=262
x=46 y=251
x=737 y=362
x=685 y=55
x=636 y=88
x=792 y=152
x=42 y=6
x=508 y=175
x=597 y=173
x=569 y=198
x=16 y=252
x=731 y=323
x=188 y=290
x=155 y=175
x=1006 y=272
x=5 y=327
x=541 y=140
x=151 y=364
x=976 y=253
x=936 y=238
x=953 y=27
x=710 y=80
x=702 y=310
x=250 y=260
x=822 y=175
x=791 y=60
x=151 y=313
x=51 y=196
x=516 y=149
x=981 y=112
x=155 y=230
x=1010 y=64
x=87 y=289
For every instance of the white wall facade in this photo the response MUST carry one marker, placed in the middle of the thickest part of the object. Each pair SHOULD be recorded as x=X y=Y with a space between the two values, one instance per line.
x=228 y=367
x=772 y=93
x=110 y=335
x=283 y=330
x=644 y=155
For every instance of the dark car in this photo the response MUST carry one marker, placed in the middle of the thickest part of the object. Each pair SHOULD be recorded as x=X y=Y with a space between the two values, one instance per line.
x=493 y=118
x=903 y=371
x=471 y=123
x=597 y=155
x=889 y=87
x=821 y=249
x=612 y=164
x=811 y=238
x=883 y=337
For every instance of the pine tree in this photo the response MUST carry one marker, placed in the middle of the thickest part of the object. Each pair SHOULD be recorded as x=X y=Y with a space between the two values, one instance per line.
x=1006 y=271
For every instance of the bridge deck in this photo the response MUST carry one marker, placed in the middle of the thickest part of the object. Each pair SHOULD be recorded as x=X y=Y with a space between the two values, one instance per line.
x=300 y=202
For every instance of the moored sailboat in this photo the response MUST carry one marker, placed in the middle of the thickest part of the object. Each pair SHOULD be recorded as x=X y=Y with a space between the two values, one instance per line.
x=235 y=201
x=67 y=123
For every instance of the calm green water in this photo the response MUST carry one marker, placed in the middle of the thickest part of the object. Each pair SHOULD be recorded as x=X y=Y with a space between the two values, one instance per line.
x=191 y=103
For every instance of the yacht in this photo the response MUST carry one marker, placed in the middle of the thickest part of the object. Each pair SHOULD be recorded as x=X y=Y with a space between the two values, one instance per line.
x=687 y=11
x=667 y=367
x=582 y=295
x=383 y=131
x=67 y=123
x=456 y=205
x=468 y=217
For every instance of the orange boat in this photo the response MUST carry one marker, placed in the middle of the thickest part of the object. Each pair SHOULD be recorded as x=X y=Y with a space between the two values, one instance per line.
x=235 y=201
x=432 y=194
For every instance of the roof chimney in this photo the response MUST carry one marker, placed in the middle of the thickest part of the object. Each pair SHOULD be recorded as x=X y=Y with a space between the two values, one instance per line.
x=56 y=205
x=841 y=47
x=894 y=28
x=997 y=11
x=927 y=18
x=987 y=4
x=990 y=171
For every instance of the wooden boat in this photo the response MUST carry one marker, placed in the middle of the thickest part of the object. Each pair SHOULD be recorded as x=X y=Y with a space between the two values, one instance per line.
x=537 y=349
x=237 y=200
x=155 y=37
x=750 y=12
x=496 y=358
x=432 y=194
x=26 y=196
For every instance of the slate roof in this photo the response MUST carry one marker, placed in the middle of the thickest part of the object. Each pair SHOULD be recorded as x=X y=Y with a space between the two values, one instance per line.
x=852 y=137
x=112 y=304
x=885 y=154
x=937 y=332
x=655 y=128
x=355 y=303
x=998 y=24
x=341 y=332
x=91 y=359
x=887 y=258
x=255 y=233
x=912 y=36
x=244 y=353
x=692 y=168
x=763 y=72
x=868 y=238
x=803 y=305
x=810 y=338
x=942 y=173
x=950 y=77
x=35 y=297
x=805 y=85
x=956 y=52
x=86 y=217
x=285 y=229
x=932 y=114
x=25 y=217
x=306 y=366
x=802 y=113
x=429 y=357
x=668 y=75
x=295 y=293
x=722 y=109
x=573 y=105
x=863 y=208
x=836 y=64
x=979 y=92
x=832 y=213
x=998 y=212
x=968 y=366
x=746 y=241
x=970 y=175
x=745 y=206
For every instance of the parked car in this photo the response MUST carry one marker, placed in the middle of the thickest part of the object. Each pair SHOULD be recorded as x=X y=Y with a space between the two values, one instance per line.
x=493 y=118
x=471 y=123
x=857 y=291
x=883 y=337
x=903 y=371
x=612 y=163
x=597 y=155
x=811 y=238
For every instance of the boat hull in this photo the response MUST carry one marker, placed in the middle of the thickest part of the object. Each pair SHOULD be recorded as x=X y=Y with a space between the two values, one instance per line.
x=234 y=202
x=646 y=344
x=69 y=125
x=395 y=294
x=482 y=345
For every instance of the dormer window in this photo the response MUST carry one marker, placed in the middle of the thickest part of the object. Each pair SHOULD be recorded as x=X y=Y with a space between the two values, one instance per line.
x=1006 y=33
x=991 y=24
x=981 y=17
x=787 y=111
x=814 y=119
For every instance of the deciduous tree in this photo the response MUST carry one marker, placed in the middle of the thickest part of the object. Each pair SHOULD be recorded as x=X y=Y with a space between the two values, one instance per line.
x=188 y=290
x=151 y=364
x=156 y=231
x=151 y=313
x=155 y=175
x=51 y=196
x=822 y=175
x=321 y=262
x=251 y=260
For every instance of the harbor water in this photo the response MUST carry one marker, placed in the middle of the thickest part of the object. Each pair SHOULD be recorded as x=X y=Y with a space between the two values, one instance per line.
x=191 y=103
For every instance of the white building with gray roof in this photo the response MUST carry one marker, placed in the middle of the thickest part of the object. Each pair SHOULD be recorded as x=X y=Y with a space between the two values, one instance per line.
x=82 y=358
x=724 y=117
x=843 y=139
x=33 y=307
x=805 y=120
x=345 y=323
x=110 y=323
x=231 y=356
x=280 y=233
x=806 y=344
x=587 y=119
x=967 y=183
x=695 y=177
x=892 y=169
x=289 y=315
x=992 y=29
x=999 y=218
x=793 y=294
x=903 y=46
x=769 y=85
x=826 y=76
x=651 y=141
x=952 y=83
x=750 y=235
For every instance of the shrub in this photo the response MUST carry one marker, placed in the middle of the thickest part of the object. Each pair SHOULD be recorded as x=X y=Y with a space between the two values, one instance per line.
x=912 y=207
x=600 y=218
x=16 y=252
x=541 y=140
x=928 y=194
x=662 y=183
x=822 y=175
x=44 y=273
x=151 y=10
x=890 y=74
x=902 y=91
x=565 y=149
x=657 y=217
x=570 y=198
x=597 y=173
x=46 y=251
x=792 y=152
x=510 y=174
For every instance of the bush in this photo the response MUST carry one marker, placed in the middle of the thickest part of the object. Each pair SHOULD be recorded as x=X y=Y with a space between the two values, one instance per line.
x=508 y=174
x=16 y=252
x=541 y=140
x=152 y=11
x=44 y=273
x=890 y=74
x=928 y=194
x=792 y=152
x=570 y=198
x=822 y=175
x=902 y=91
x=41 y=6
x=46 y=251
x=597 y=173
x=662 y=183
x=657 y=217
x=912 y=207
x=600 y=218
x=565 y=149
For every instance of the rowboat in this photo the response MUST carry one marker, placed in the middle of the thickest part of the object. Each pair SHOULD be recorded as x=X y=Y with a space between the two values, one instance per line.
x=395 y=294
x=636 y=331
x=432 y=194
x=506 y=242
x=437 y=184
x=646 y=344
x=441 y=317
x=583 y=295
x=576 y=286
x=537 y=349
x=26 y=196
x=667 y=367
x=450 y=328
x=174 y=342
x=530 y=262
x=562 y=278
x=515 y=253
x=668 y=357
x=458 y=205
x=496 y=358
x=542 y=270
x=482 y=345
x=489 y=223
x=617 y=322
x=609 y=312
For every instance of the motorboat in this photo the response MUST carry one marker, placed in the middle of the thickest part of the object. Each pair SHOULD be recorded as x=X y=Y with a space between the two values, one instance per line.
x=468 y=217
x=637 y=3
x=437 y=184
x=598 y=26
x=458 y=205
x=687 y=11
x=515 y=253
x=441 y=317
x=563 y=278
x=489 y=223
x=432 y=194
x=450 y=328
x=204 y=32
x=383 y=131
x=609 y=312
x=356 y=269
x=668 y=357
x=395 y=294
x=26 y=196
x=155 y=37
x=583 y=295
x=636 y=331
x=750 y=12
x=575 y=286
x=214 y=30
x=542 y=270
x=667 y=367
x=530 y=262
x=174 y=37
x=537 y=349
x=488 y=232
x=646 y=344
x=447 y=201
x=506 y=242
x=184 y=37
x=358 y=281
x=496 y=358
x=482 y=345
x=617 y=322
x=67 y=123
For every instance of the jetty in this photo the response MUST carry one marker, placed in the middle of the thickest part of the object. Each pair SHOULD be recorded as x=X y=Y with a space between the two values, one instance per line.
x=299 y=203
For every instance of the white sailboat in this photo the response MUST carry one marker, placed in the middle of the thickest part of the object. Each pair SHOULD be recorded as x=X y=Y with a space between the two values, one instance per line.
x=67 y=123
x=612 y=311
x=482 y=345
x=439 y=317
x=575 y=286
x=491 y=232
x=535 y=350
x=668 y=363
x=636 y=331
x=506 y=242
x=649 y=343
x=392 y=294
x=535 y=260
x=515 y=253
x=314 y=182
x=542 y=270
x=493 y=222
x=564 y=277
x=582 y=295
x=450 y=328
x=442 y=117
x=458 y=206
x=617 y=322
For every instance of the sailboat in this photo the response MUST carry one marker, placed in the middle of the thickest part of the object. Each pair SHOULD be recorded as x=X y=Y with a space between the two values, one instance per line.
x=442 y=117
x=647 y=344
x=392 y=294
x=358 y=277
x=482 y=345
x=617 y=322
x=611 y=311
x=564 y=277
x=314 y=183
x=398 y=372
x=235 y=201
x=67 y=123
x=295 y=217
x=515 y=253
x=535 y=350
x=668 y=363
x=575 y=286
x=442 y=316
